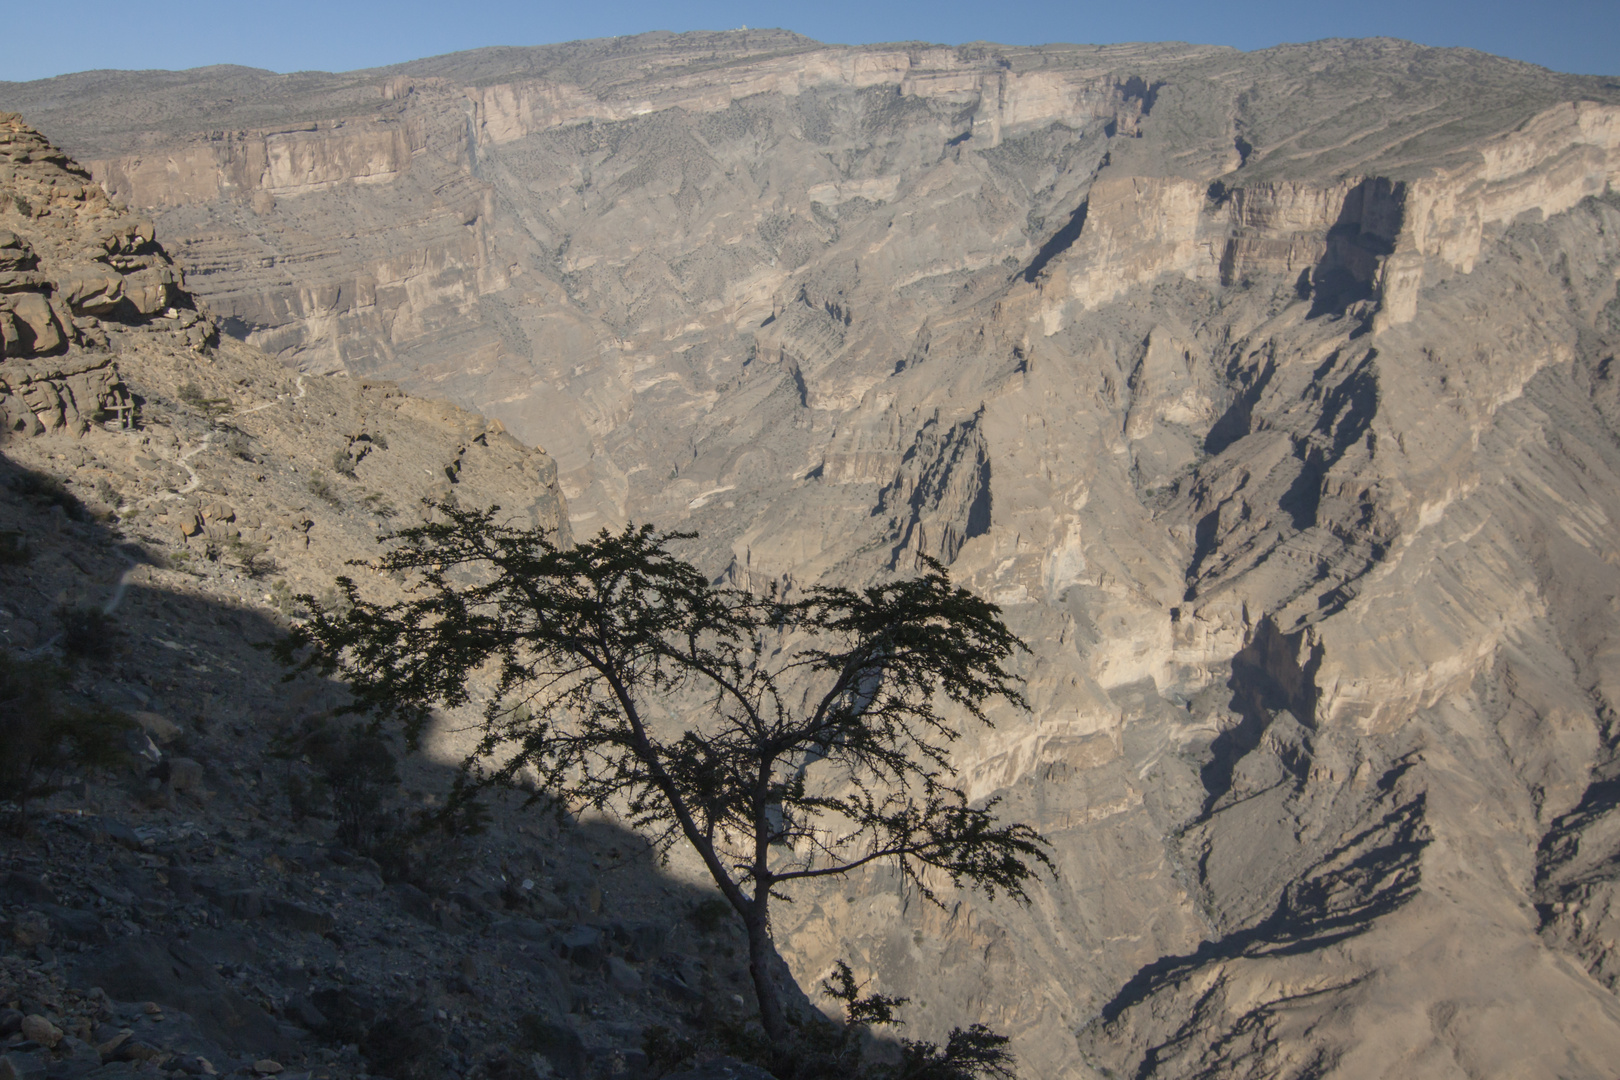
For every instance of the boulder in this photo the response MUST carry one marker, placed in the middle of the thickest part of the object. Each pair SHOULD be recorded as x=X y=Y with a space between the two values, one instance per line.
x=179 y=977
x=75 y=924
x=623 y=977
x=28 y=325
x=582 y=945
x=30 y=929
x=93 y=292
x=36 y=1028
x=186 y=776
x=159 y=727
x=75 y=1058
x=20 y=1066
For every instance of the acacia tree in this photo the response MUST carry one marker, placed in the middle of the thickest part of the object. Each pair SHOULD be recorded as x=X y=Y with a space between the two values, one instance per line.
x=783 y=740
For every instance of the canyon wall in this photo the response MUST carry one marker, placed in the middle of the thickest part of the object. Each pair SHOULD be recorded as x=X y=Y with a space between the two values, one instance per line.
x=1270 y=394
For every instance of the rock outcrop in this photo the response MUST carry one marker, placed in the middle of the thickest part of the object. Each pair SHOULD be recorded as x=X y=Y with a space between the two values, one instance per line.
x=61 y=280
x=1271 y=395
x=185 y=907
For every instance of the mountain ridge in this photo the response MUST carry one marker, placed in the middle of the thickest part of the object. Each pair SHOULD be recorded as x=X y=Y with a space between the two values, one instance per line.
x=1270 y=395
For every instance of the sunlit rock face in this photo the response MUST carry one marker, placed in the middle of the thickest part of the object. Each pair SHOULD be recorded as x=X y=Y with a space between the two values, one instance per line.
x=1271 y=395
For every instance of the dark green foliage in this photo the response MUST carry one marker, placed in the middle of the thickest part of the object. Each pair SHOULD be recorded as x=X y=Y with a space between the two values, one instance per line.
x=359 y=774
x=788 y=712
x=975 y=1052
x=351 y=777
x=252 y=556
x=40 y=740
x=353 y=772
x=818 y=1049
x=193 y=395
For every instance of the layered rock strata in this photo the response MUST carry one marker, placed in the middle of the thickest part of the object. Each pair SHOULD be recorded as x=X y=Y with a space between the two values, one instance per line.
x=187 y=907
x=1270 y=394
x=71 y=265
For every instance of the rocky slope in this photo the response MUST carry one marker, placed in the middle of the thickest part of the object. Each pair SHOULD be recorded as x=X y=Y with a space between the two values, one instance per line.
x=1271 y=395
x=200 y=906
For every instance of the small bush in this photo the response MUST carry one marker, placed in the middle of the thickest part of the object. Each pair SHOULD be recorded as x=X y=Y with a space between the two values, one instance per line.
x=193 y=395
x=819 y=1049
x=88 y=633
x=234 y=443
x=283 y=600
x=343 y=464
x=306 y=797
x=251 y=556
x=354 y=771
x=321 y=488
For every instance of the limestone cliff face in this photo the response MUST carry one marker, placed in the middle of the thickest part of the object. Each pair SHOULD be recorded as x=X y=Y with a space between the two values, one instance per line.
x=1270 y=394
x=74 y=267
x=1363 y=236
x=204 y=445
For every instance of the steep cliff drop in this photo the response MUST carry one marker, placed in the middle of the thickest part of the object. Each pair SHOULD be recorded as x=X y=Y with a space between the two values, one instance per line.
x=1272 y=395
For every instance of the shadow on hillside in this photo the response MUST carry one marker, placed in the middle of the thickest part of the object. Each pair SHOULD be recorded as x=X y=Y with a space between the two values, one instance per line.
x=201 y=882
x=1371 y=874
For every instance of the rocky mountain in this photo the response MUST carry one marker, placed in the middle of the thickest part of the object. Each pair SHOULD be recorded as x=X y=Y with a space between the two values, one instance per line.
x=236 y=889
x=1270 y=394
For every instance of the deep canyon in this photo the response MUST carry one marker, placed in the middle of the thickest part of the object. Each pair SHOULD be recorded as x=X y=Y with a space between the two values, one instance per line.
x=1272 y=395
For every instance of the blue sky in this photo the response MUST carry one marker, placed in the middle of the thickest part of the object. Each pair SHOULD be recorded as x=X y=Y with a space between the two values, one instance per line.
x=336 y=35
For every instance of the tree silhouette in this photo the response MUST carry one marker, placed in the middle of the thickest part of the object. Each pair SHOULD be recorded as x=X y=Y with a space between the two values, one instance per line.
x=783 y=740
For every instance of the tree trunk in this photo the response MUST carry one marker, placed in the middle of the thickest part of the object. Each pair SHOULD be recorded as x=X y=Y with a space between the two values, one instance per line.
x=771 y=1016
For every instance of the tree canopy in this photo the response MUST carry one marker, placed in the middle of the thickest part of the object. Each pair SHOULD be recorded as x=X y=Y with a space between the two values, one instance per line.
x=783 y=739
